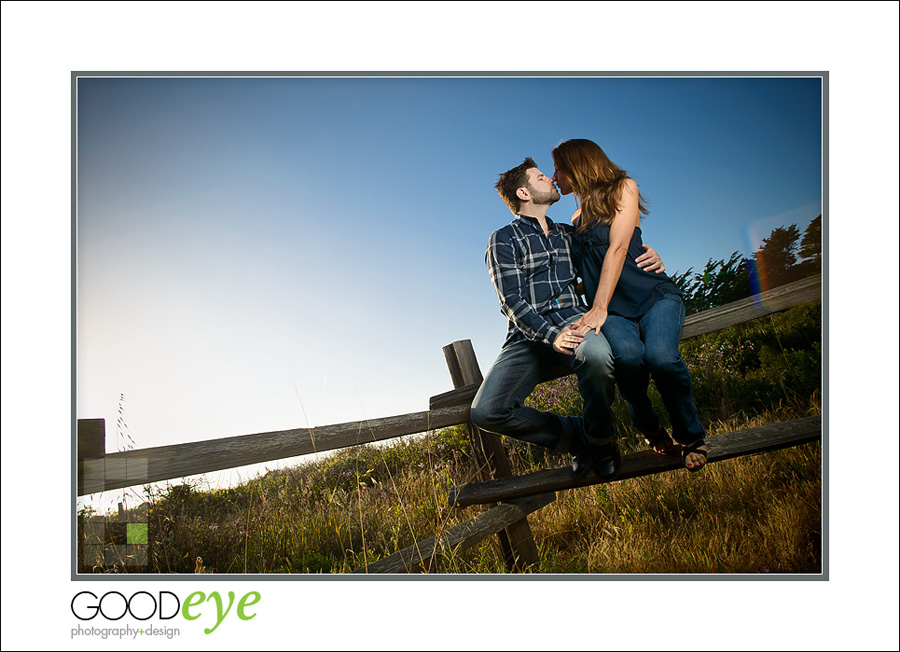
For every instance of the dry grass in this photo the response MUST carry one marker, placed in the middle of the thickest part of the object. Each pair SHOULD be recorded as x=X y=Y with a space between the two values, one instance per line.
x=754 y=514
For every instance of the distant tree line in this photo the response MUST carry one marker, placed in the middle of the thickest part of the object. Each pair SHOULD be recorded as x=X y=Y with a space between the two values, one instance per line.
x=782 y=258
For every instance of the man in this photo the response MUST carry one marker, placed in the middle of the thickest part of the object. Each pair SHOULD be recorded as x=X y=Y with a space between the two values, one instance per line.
x=531 y=267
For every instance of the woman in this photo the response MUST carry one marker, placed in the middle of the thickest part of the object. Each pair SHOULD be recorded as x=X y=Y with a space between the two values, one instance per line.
x=640 y=313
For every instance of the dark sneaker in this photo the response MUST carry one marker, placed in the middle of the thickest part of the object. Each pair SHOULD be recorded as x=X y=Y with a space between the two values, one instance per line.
x=606 y=461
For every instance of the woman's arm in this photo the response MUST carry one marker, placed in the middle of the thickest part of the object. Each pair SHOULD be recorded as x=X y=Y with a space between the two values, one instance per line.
x=620 y=232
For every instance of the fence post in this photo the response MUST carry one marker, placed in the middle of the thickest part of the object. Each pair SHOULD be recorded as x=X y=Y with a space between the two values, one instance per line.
x=516 y=540
x=90 y=451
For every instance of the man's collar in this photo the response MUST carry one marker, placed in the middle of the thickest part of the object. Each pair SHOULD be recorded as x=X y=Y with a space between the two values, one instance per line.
x=531 y=218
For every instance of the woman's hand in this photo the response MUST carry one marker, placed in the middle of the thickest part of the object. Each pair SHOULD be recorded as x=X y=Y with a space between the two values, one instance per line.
x=592 y=320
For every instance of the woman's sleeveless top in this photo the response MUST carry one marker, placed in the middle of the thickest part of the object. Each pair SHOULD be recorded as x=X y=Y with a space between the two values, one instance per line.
x=636 y=291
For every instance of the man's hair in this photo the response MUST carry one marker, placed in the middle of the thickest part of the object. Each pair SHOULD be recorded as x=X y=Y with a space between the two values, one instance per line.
x=511 y=180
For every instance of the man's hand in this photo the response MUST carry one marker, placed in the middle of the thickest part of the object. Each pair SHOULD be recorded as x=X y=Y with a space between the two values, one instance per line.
x=649 y=261
x=567 y=340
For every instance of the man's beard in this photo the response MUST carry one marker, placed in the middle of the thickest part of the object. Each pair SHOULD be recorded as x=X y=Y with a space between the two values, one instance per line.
x=541 y=198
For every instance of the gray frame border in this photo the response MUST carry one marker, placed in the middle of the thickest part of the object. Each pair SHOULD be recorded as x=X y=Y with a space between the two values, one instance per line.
x=76 y=576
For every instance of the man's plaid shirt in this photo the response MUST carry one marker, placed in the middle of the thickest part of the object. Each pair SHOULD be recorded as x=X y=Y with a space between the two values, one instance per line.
x=535 y=278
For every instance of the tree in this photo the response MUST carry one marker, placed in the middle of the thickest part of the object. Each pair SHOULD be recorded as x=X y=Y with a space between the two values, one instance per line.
x=781 y=259
x=719 y=283
x=776 y=259
x=811 y=248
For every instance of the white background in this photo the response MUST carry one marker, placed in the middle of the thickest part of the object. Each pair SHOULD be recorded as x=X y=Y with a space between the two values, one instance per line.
x=856 y=43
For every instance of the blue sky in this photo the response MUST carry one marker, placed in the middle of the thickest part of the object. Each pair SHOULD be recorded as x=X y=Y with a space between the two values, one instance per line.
x=267 y=253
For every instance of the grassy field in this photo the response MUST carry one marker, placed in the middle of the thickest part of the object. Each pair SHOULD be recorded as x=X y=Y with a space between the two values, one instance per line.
x=756 y=514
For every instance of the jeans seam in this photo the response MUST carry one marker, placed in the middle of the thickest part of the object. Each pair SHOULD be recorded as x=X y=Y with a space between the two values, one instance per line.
x=514 y=387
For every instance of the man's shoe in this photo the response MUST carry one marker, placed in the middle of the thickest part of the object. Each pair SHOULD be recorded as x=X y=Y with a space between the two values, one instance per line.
x=582 y=457
x=606 y=461
x=581 y=463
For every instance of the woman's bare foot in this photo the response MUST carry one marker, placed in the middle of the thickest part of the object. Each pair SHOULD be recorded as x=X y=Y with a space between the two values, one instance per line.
x=694 y=455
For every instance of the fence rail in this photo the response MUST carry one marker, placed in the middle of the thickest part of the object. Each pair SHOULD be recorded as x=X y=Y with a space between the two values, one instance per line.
x=98 y=471
x=124 y=469
x=759 y=305
x=458 y=538
x=721 y=447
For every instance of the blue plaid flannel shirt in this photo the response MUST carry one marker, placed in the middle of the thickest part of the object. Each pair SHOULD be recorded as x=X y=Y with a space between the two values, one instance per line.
x=535 y=278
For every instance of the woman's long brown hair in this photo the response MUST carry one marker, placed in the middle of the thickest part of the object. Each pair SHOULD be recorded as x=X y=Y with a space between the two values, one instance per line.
x=595 y=179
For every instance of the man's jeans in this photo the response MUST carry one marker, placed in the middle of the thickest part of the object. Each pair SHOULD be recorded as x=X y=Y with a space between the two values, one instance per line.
x=520 y=367
x=650 y=346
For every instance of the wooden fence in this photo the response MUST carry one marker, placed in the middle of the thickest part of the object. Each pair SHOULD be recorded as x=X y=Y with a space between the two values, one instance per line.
x=519 y=495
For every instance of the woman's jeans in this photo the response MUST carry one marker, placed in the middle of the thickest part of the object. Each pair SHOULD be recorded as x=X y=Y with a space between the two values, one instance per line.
x=499 y=404
x=649 y=346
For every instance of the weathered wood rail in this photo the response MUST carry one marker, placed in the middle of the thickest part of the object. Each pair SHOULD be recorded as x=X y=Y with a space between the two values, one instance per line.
x=460 y=537
x=98 y=471
x=102 y=472
x=721 y=447
x=766 y=303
